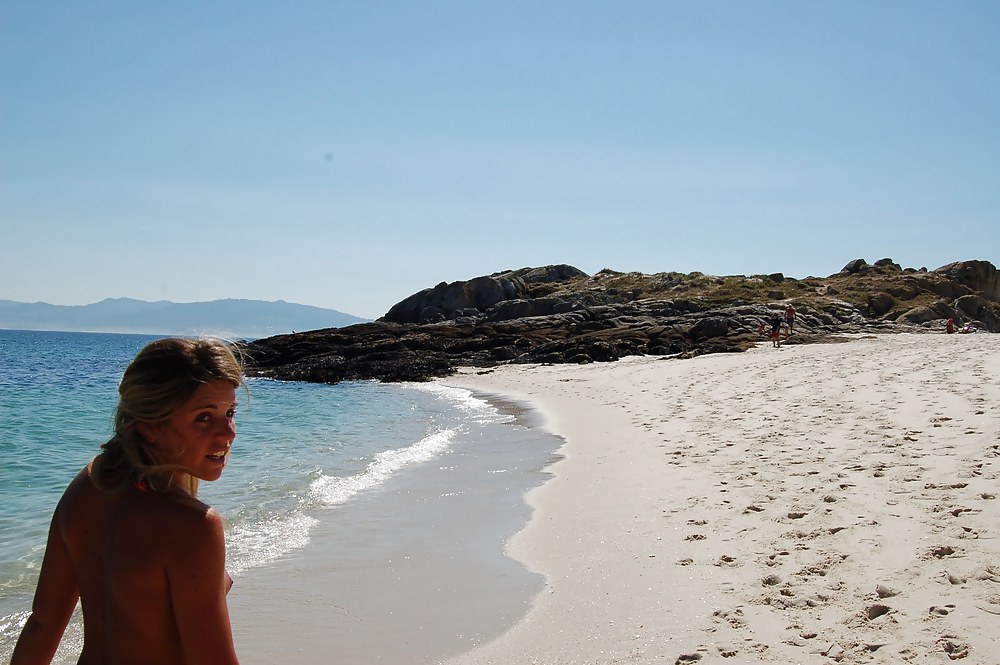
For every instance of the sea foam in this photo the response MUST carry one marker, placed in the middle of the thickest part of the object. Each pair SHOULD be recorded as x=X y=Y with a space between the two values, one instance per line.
x=334 y=490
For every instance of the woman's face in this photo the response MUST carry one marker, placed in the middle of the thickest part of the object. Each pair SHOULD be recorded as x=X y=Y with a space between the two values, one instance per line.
x=200 y=433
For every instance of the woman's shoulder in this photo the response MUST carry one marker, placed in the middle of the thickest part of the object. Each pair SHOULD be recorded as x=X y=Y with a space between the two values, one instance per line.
x=192 y=532
x=165 y=511
x=186 y=516
x=79 y=489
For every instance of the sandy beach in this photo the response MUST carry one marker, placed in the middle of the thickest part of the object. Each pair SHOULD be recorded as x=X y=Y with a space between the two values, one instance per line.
x=809 y=504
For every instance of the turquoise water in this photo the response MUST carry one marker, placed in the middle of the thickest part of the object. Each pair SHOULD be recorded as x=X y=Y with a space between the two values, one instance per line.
x=300 y=449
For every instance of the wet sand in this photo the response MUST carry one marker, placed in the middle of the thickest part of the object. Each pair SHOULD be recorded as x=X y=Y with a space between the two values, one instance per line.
x=410 y=573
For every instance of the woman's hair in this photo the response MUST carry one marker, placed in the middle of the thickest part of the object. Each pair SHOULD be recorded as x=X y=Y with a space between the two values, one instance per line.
x=161 y=379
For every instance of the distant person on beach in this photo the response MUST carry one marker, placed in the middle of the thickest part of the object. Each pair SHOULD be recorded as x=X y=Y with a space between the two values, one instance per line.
x=129 y=538
x=949 y=326
x=790 y=317
x=776 y=331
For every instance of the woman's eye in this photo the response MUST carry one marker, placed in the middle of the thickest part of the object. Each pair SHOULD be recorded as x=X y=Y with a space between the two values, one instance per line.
x=203 y=417
x=231 y=413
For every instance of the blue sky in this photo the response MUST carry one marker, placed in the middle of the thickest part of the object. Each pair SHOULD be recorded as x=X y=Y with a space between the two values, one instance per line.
x=348 y=154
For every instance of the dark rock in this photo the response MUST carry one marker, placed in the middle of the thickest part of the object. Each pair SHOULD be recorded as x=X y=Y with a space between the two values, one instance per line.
x=557 y=314
x=979 y=276
x=548 y=274
x=521 y=308
x=887 y=263
x=938 y=311
x=709 y=327
x=978 y=309
x=880 y=303
x=431 y=315
x=854 y=267
x=972 y=306
x=446 y=301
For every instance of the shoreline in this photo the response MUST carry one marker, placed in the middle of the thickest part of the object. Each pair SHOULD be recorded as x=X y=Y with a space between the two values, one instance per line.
x=817 y=502
x=412 y=572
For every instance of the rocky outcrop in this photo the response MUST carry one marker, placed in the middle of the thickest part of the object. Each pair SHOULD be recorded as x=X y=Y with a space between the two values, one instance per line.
x=410 y=352
x=472 y=297
x=880 y=303
x=888 y=263
x=977 y=308
x=446 y=301
x=979 y=276
x=854 y=267
x=558 y=314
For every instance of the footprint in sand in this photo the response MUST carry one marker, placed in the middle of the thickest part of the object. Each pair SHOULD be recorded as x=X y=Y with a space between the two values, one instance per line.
x=975 y=471
x=989 y=574
x=877 y=610
x=885 y=592
x=774 y=557
x=956 y=580
x=770 y=580
x=733 y=617
x=968 y=532
x=939 y=611
x=941 y=551
x=951 y=645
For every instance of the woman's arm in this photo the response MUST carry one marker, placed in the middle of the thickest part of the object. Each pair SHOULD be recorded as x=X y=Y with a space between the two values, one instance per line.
x=55 y=600
x=198 y=585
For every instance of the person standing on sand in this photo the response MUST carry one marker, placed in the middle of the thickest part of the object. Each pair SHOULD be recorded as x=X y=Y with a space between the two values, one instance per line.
x=129 y=538
x=776 y=331
x=790 y=317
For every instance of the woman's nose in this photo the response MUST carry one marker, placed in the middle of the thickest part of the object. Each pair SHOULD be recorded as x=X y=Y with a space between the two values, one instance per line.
x=228 y=427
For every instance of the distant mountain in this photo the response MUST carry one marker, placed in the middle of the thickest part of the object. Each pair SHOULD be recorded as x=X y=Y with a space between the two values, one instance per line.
x=243 y=319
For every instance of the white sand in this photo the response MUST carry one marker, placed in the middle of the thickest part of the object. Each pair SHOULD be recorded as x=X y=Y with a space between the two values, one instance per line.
x=813 y=504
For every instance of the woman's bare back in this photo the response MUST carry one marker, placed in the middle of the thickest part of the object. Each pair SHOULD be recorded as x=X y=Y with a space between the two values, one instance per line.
x=149 y=567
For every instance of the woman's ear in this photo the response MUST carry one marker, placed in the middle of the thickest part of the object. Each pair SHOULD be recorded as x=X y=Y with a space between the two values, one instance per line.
x=147 y=431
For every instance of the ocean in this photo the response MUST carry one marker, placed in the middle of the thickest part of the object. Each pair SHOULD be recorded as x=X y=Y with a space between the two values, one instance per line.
x=370 y=465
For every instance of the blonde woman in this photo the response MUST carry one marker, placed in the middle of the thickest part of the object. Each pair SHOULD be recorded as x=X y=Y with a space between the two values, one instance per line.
x=129 y=537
